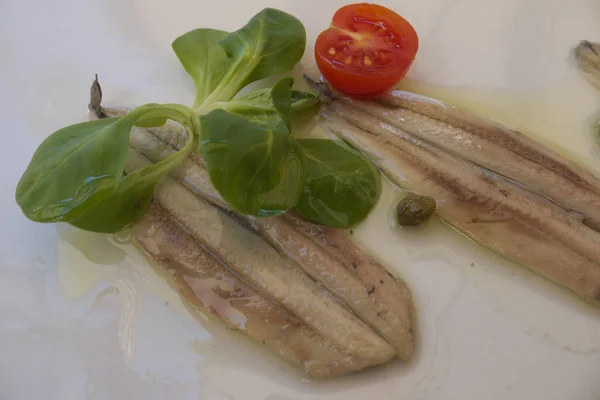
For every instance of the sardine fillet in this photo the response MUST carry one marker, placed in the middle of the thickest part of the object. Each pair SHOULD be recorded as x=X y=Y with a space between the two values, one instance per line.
x=211 y=289
x=488 y=209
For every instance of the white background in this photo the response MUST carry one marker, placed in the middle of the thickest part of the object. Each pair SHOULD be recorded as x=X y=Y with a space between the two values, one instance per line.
x=489 y=330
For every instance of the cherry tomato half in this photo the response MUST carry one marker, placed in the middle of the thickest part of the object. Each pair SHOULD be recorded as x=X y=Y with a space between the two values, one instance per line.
x=366 y=50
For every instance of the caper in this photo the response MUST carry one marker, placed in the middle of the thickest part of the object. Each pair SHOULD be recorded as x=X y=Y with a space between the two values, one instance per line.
x=413 y=210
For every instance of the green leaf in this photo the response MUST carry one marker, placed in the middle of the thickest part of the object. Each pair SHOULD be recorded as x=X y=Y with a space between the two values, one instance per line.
x=128 y=202
x=304 y=103
x=341 y=186
x=272 y=107
x=204 y=60
x=271 y=42
x=257 y=170
x=77 y=171
x=74 y=170
x=269 y=108
x=157 y=117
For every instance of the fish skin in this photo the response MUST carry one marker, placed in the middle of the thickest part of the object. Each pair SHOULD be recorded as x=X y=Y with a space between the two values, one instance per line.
x=277 y=277
x=492 y=146
x=391 y=292
x=209 y=288
x=365 y=287
x=486 y=207
x=283 y=282
x=391 y=316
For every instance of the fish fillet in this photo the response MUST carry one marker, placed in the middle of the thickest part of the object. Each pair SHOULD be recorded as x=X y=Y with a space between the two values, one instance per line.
x=327 y=255
x=491 y=146
x=486 y=207
x=347 y=286
x=211 y=289
x=274 y=275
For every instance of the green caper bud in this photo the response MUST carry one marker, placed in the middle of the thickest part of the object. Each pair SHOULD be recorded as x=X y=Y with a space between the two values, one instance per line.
x=413 y=210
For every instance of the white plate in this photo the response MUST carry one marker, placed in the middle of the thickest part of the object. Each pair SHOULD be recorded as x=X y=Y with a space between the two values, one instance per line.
x=489 y=330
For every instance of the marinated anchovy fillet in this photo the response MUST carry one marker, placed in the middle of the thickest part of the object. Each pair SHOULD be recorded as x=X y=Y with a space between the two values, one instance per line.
x=349 y=297
x=210 y=288
x=491 y=146
x=393 y=320
x=365 y=287
x=274 y=275
x=393 y=295
x=483 y=205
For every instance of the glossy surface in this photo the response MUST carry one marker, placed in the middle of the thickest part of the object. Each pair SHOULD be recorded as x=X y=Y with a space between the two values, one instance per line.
x=327 y=255
x=414 y=210
x=342 y=187
x=484 y=206
x=212 y=291
x=366 y=50
x=85 y=317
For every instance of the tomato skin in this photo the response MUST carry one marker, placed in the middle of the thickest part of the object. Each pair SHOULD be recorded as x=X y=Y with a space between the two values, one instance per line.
x=366 y=50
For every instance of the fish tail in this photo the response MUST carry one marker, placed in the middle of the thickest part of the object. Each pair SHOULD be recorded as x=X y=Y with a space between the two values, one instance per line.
x=587 y=55
x=322 y=88
x=95 y=104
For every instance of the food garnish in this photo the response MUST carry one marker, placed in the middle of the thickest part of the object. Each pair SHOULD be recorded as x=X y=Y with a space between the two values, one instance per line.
x=366 y=50
x=414 y=210
x=76 y=175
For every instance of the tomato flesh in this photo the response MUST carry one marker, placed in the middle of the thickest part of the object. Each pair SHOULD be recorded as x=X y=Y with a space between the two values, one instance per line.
x=366 y=50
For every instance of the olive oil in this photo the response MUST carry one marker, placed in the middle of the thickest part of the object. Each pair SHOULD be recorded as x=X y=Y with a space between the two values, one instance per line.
x=457 y=284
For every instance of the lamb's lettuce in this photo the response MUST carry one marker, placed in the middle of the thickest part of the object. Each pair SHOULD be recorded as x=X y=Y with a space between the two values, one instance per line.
x=204 y=59
x=222 y=64
x=258 y=170
x=341 y=186
x=78 y=170
x=270 y=108
x=77 y=173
